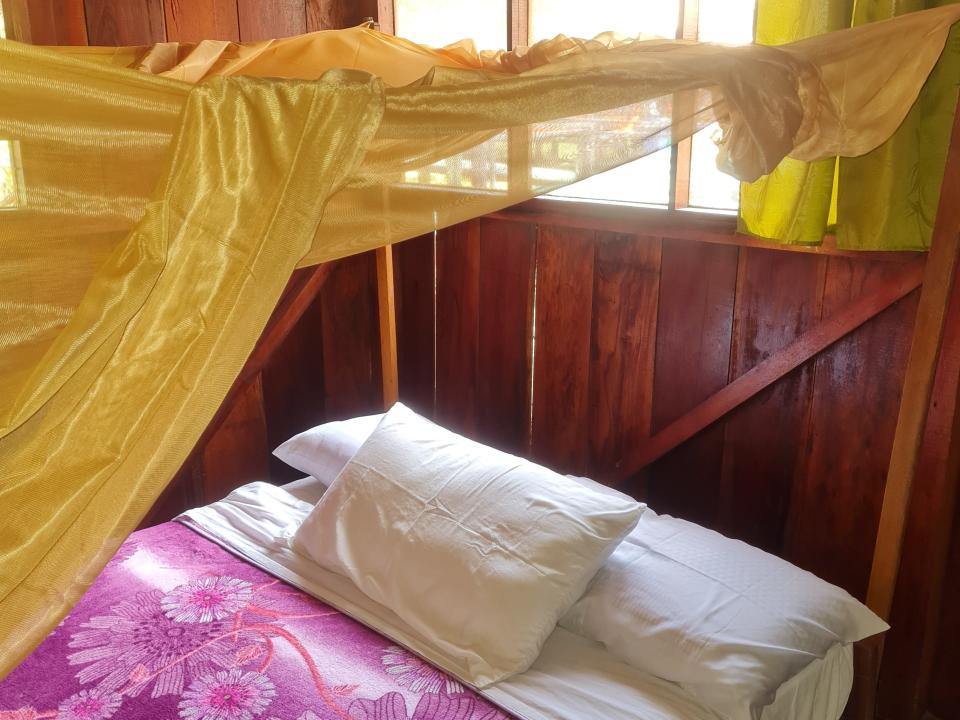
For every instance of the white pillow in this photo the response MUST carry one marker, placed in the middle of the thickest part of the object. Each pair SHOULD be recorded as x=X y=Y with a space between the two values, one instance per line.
x=479 y=551
x=725 y=620
x=322 y=451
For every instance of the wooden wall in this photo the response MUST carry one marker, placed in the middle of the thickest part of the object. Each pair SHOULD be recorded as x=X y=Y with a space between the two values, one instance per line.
x=326 y=368
x=570 y=339
x=142 y=22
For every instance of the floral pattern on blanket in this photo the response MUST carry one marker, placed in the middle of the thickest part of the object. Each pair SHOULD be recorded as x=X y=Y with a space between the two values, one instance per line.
x=177 y=627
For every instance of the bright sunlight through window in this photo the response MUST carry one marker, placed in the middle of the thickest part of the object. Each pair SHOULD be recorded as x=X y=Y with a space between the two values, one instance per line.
x=647 y=181
x=441 y=22
x=729 y=22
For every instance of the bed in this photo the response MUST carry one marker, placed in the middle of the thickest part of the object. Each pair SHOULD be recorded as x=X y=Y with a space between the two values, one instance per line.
x=217 y=616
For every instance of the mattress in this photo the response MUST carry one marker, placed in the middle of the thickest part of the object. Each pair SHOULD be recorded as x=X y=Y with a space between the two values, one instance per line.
x=573 y=679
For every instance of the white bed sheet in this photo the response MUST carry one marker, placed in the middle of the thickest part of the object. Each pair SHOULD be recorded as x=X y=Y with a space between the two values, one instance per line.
x=573 y=678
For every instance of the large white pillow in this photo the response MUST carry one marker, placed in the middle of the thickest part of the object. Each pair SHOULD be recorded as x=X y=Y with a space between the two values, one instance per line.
x=479 y=551
x=725 y=620
x=322 y=451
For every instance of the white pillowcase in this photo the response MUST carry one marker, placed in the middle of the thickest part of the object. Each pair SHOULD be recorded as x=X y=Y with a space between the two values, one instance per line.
x=725 y=620
x=322 y=451
x=479 y=551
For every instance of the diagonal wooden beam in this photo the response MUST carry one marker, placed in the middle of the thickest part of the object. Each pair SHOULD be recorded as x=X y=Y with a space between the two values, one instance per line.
x=918 y=382
x=770 y=370
x=300 y=293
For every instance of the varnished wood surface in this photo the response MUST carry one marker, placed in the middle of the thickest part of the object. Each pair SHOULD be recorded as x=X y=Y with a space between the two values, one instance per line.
x=576 y=355
x=771 y=369
x=125 y=22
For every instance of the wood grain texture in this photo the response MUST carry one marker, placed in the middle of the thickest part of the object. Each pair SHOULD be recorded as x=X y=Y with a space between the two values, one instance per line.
x=917 y=610
x=695 y=320
x=184 y=491
x=504 y=343
x=351 y=361
x=944 y=697
x=917 y=384
x=195 y=20
x=846 y=444
x=458 y=323
x=561 y=367
x=414 y=264
x=125 y=22
x=778 y=299
x=47 y=22
x=337 y=14
x=268 y=19
x=294 y=386
x=237 y=452
x=387 y=315
x=626 y=287
x=715 y=228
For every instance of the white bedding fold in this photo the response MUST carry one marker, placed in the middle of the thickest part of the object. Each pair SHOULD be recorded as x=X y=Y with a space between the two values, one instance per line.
x=573 y=678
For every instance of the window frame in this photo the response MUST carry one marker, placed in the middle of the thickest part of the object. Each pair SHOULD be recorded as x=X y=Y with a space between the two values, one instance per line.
x=688 y=23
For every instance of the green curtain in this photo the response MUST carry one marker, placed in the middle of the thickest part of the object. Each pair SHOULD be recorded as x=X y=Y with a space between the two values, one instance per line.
x=886 y=199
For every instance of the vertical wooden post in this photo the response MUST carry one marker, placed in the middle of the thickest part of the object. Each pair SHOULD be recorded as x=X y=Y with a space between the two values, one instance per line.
x=388 y=326
x=938 y=283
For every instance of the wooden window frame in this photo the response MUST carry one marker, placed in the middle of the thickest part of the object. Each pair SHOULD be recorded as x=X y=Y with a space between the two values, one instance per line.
x=518 y=33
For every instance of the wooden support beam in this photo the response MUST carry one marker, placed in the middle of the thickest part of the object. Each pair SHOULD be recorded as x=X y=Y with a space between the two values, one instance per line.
x=388 y=326
x=296 y=299
x=917 y=385
x=770 y=370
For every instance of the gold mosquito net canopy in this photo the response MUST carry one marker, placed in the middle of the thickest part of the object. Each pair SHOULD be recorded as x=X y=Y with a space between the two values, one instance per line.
x=161 y=196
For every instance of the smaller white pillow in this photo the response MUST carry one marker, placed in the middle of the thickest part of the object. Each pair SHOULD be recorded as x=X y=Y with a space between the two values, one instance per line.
x=725 y=620
x=478 y=551
x=322 y=451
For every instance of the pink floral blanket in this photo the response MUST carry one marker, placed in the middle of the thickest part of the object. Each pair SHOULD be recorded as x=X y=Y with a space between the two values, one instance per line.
x=177 y=627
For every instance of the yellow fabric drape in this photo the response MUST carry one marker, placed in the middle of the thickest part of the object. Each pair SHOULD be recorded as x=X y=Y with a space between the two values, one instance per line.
x=885 y=200
x=155 y=222
x=792 y=203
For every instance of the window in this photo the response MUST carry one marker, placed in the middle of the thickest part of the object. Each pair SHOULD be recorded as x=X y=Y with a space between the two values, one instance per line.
x=682 y=176
x=9 y=196
x=9 y=176
x=441 y=22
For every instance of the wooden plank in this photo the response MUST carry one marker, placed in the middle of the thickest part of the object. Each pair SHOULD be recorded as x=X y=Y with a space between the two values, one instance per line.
x=299 y=295
x=268 y=19
x=916 y=613
x=183 y=492
x=195 y=20
x=385 y=16
x=944 y=700
x=414 y=264
x=293 y=386
x=237 y=451
x=505 y=334
x=46 y=22
x=335 y=14
x=835 y=501
x=351 y=364
x=918 y=383
x=694 y=324
x=518 y=23
x=387 y=316
x=775 y=367
x=458 y=319
x=716 y=228
x=623 y=339
x=561 y=363
x=778 y=299
x=117 y=23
